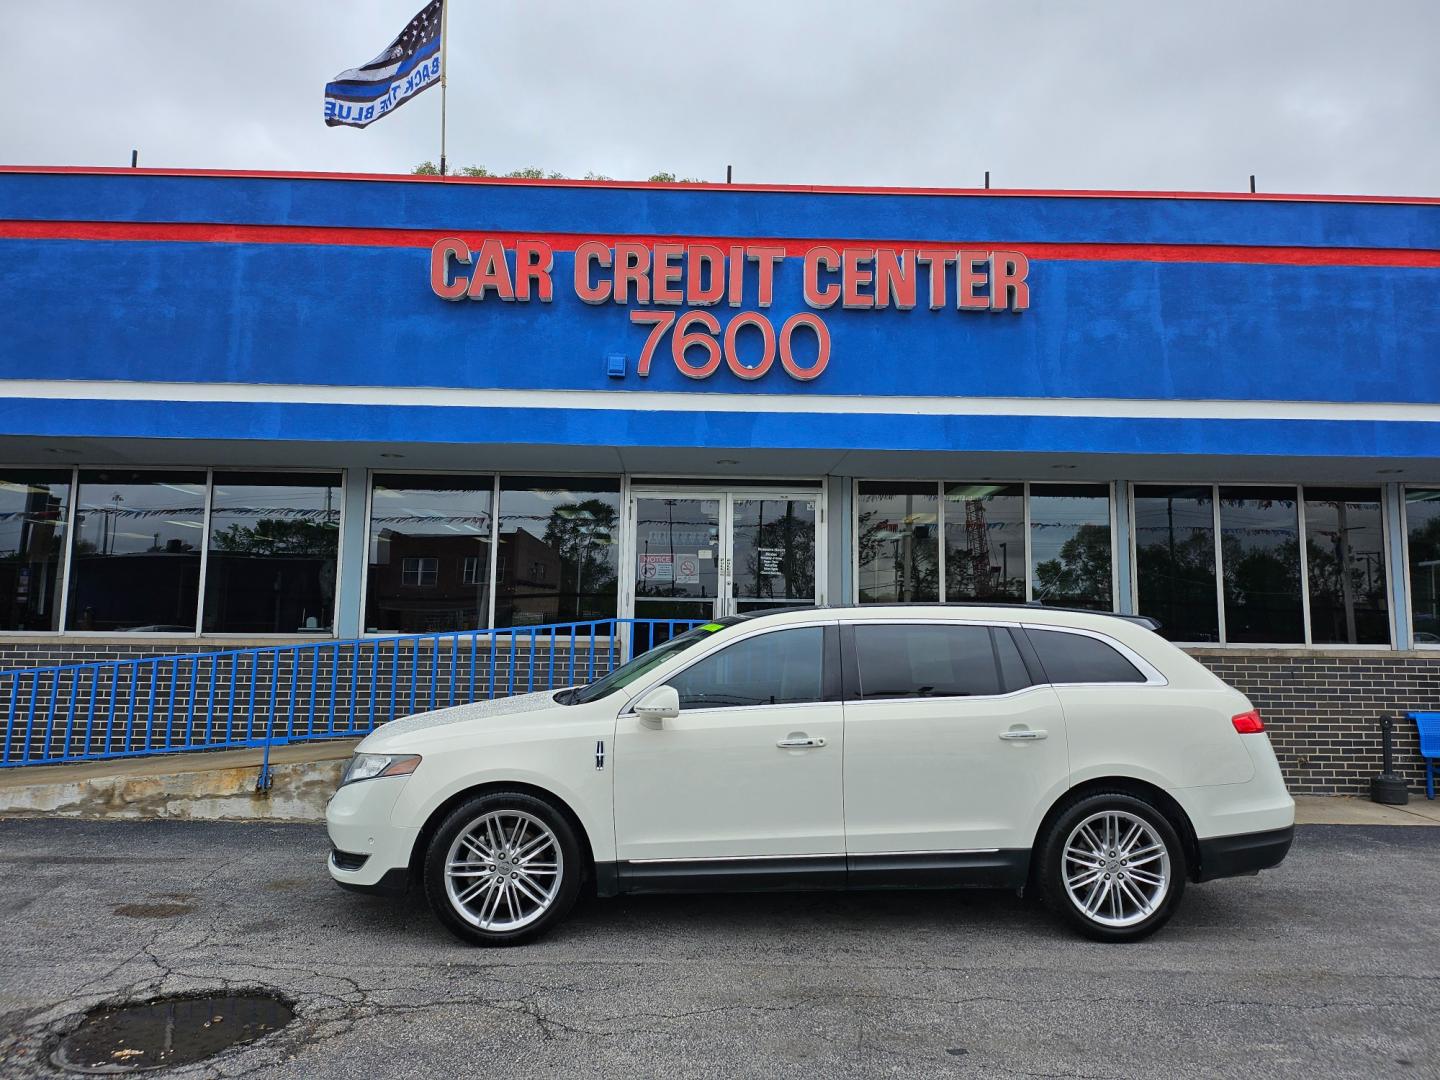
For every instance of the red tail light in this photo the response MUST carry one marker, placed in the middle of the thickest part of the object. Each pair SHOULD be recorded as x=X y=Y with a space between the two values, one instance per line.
x=1248 y=723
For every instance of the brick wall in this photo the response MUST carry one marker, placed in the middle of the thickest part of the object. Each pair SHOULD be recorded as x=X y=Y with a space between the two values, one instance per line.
x=1322 y=709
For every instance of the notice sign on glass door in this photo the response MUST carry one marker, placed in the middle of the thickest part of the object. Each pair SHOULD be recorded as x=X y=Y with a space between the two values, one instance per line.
x=770 y=561
x=657 y=567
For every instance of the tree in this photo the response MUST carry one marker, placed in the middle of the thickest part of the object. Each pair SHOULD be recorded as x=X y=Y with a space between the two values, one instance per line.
x=276 y=536
x=533 y=172
x=1080 y=577
x=582 y=535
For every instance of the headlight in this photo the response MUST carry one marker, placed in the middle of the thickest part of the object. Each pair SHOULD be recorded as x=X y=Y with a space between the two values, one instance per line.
x=369 y=766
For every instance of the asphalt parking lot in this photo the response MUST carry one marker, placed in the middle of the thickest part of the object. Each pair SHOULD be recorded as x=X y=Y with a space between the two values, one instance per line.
x=1328 y=966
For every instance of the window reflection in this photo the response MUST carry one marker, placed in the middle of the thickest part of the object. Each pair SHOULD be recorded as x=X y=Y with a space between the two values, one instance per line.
x=1345 y=564
x=1175 y=560
x=136 y=562
x=272 y=553
x=985 y=542
x=898 y=543
x=429 y=554
x=558 y=558
x=1422 y=520
x=1070 y=545
x=1260 y=548
x=33 y=509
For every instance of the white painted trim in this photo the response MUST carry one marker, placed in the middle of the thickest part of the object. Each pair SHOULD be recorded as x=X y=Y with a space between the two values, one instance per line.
x=672 y=401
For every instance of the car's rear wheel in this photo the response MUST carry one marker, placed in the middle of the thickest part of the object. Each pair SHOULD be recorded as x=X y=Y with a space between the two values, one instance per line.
x=502 y=869
x=1113 y=866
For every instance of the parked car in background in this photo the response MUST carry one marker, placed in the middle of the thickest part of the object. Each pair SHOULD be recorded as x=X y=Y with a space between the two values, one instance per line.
x=1074 y=754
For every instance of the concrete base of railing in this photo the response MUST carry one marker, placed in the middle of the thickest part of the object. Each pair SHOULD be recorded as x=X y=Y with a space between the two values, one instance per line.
x=199 y=786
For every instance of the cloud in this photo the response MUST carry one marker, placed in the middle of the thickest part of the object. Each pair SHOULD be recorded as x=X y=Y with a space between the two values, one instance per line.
x=1310 y=96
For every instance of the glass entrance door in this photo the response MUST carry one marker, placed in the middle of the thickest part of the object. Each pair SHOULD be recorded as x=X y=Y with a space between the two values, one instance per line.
x=773 y=544
x=708 y=554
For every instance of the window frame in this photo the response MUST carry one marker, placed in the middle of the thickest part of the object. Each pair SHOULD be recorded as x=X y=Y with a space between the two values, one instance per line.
x=1429 y=647
x=830 y=669
x=493 y=538
x=1109 y=485
x=1302 y=534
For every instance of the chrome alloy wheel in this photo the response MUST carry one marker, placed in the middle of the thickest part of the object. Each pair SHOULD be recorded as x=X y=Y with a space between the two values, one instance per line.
x=1116 y=868
x=503 y=871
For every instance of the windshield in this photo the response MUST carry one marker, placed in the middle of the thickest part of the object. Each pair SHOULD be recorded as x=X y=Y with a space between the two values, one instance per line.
x=625 y=674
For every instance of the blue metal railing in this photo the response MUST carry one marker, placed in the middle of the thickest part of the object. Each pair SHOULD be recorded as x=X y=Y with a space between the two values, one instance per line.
x=278 y=694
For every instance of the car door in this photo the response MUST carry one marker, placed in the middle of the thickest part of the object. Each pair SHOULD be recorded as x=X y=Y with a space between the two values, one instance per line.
x=746 y=783
x=952 y=750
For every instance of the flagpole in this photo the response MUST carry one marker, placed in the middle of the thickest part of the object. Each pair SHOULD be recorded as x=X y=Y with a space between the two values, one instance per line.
x=444 y=74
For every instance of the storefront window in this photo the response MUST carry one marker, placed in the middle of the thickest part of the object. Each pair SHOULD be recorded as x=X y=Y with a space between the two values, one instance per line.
x=985 y=542
x=273 y=542
x=1345 y=564
x=33 y=509
x=429 y=554
x=559 y=539
x=1070 y=545
x=1175 y=560
x=898 y=542
x=136 y=561
x=1260 y=551
x=1422 y=520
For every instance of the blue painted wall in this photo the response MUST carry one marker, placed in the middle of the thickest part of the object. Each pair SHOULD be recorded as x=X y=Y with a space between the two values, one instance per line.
x=364 y=315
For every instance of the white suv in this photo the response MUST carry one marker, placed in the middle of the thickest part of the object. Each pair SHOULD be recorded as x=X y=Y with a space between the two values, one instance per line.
x=1072 y=753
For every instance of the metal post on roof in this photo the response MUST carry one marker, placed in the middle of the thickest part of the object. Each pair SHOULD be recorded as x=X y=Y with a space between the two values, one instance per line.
x=1252 y=183
x=134 y=159
x=987 y=179
x=729 y=174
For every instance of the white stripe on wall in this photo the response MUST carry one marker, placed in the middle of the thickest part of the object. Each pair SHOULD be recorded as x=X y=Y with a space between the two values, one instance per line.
x=700 y=401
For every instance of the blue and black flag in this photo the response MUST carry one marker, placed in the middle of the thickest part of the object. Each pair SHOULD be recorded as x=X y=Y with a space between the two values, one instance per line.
x=409 y=64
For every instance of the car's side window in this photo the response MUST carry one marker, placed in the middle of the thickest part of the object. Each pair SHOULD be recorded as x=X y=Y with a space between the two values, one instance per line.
x=779 y=668
x=1077 y=658
x=914 y=660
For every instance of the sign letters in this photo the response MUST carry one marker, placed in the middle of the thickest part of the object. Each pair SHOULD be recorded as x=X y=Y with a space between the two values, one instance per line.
x=656 y=279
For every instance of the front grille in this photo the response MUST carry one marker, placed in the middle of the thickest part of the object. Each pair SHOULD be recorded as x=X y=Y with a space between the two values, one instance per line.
x=343 y=860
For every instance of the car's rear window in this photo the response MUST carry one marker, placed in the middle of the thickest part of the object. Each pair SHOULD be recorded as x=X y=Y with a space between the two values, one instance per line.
x=1077 y=658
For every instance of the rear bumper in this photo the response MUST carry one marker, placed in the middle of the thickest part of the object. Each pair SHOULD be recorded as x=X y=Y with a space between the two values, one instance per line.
x=1246 y=853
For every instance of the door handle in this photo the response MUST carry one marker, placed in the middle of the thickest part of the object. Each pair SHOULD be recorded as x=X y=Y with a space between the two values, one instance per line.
x=799 y=742
x=1026 y=733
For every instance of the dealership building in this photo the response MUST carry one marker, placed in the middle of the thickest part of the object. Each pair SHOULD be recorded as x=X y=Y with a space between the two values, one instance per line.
x=251 y=408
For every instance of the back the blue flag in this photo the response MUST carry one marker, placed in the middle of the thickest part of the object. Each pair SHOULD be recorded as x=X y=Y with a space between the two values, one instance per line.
x=409 y=64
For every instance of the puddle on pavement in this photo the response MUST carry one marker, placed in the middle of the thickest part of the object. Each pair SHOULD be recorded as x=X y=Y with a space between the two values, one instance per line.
x=154 y=911
x=168 y=1032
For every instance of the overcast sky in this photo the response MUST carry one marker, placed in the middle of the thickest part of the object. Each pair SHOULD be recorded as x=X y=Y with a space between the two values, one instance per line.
x=1311 y=95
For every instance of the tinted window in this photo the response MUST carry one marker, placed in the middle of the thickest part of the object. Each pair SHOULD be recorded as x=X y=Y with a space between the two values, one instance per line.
x=899 y=542
x=897 y=661
x=1345 y=560
x=1422 y=519
x=1260 y=554
x=780 y=668
x=1074 y=658
x=1070 y=545
x=33 y=508
x=1175 y=560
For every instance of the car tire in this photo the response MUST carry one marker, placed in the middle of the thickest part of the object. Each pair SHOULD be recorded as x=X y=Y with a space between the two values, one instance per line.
x=1113 y=867
x=503 y=868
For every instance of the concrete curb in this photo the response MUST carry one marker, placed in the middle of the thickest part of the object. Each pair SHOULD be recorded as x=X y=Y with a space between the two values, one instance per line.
x=203 y=786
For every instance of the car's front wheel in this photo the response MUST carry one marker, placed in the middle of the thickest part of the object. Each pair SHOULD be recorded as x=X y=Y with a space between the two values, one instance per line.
x=1113 y=867
x=502 y=869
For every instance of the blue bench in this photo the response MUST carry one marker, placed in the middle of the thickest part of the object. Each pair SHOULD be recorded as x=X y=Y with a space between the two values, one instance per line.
x=1428 y=724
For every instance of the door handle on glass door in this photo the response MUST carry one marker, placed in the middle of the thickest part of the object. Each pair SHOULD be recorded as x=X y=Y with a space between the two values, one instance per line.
x=1024 y=733
x=799 y=741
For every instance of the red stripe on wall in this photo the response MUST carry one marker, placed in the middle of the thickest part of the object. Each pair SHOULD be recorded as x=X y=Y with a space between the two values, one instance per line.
x=204 y=233
x=804 y=189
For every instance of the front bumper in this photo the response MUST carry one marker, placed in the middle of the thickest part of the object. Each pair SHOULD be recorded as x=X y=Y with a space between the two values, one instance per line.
x=371 y=854
x=1246 y=853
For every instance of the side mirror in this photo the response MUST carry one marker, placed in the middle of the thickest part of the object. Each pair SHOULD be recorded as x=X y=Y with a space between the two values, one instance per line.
x=659 y=705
